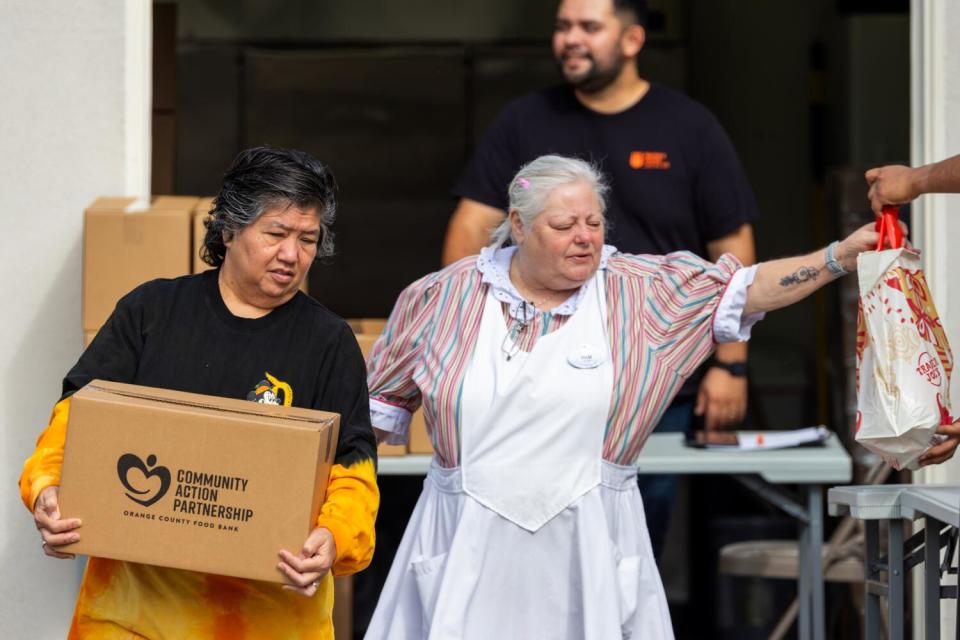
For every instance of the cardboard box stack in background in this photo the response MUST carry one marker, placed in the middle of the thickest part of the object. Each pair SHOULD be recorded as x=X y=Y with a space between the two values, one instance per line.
x=122 y=250
x=367 y=331
x=165 y=478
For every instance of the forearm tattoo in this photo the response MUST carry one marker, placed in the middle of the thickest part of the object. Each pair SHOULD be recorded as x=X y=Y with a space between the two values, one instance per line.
x=803 y=274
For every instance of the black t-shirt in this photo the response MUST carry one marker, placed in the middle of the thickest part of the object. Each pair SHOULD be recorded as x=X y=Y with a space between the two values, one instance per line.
x=676 y=180
x=178 y=334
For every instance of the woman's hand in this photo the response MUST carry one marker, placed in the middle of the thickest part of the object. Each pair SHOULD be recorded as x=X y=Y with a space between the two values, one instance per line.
x=313 y=562
x=54 y=531
x=942 y=452
x=864 y=239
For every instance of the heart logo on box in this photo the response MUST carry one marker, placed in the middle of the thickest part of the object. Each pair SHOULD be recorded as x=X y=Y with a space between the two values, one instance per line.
x=130 y=462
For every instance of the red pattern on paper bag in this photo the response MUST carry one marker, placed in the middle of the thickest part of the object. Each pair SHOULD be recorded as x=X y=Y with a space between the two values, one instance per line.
x=945 y=417
x=861 y=344
x=914 y=287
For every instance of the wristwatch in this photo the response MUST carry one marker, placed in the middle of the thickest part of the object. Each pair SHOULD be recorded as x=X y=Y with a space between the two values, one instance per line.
x=833 y=265
x=738 y=369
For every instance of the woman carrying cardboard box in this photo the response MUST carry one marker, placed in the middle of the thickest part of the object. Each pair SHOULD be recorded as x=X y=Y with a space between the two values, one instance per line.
x=242 y=330
x=541 y=369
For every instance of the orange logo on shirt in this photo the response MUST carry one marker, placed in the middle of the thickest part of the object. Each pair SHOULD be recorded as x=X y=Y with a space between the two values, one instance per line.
x=649 y=160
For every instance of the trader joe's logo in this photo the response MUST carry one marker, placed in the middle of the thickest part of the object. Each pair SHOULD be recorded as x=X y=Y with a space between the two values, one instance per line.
x=138 y=478
x=929 y=367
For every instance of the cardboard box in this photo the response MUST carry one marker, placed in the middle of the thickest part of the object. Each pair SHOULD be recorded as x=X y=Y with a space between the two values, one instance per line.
x=372 y=326
x=174 y=203
x=122 y=250
x=418 y=440
x=193 y=482
x=343 y=606
x=366 y=342
x=384 y=449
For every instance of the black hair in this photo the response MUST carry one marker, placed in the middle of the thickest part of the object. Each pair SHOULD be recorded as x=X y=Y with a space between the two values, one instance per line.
x=637 y=9
x=266 y=178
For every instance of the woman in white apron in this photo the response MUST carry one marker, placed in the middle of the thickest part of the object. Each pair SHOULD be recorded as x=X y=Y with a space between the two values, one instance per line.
x=541 y=369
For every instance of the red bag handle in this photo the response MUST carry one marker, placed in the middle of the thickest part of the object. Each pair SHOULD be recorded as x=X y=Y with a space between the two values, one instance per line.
x=888 y=224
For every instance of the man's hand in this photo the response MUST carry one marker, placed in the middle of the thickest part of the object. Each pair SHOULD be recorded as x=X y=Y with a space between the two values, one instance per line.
x=54 y=531
x=896 y=184
x=722 y=399
x=942 y=452
x=892 y=184
x=312 y=563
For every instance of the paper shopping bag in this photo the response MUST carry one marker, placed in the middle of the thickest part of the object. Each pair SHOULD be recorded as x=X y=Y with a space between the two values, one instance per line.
x=903 y=359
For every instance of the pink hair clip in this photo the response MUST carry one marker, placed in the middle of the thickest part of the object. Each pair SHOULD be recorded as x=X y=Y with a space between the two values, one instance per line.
x=524 y=183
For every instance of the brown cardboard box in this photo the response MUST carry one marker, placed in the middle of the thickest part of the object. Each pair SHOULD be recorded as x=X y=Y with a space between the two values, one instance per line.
x=174 y=203
x=122 y=250
x=419 y=441
x=194 y=482
x=372 y=326
x=384 y=449
x=343 y=606
x=366 y=341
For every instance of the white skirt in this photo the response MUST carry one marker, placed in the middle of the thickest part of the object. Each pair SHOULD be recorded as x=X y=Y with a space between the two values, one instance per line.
x=464 y=572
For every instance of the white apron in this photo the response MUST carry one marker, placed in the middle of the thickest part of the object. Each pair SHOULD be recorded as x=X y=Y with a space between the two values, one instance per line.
x=534 y=535
x=531 y=428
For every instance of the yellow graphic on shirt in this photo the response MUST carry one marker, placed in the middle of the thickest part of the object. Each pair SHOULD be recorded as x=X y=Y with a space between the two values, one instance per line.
x=269 y=392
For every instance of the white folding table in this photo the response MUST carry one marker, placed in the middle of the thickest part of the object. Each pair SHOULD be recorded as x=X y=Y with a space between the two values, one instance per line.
x=939 y=508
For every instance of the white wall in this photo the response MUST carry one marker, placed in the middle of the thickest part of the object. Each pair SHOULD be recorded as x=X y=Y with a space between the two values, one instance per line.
x=935 y=134
x=64 y=139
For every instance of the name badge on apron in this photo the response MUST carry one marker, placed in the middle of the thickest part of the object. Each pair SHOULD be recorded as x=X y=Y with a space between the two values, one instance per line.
x=586 y=356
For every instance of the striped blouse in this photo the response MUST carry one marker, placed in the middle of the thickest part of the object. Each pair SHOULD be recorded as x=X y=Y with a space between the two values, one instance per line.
x=660 y=312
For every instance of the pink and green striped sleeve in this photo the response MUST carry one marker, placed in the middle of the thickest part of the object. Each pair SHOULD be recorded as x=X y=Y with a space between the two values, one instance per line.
x=394 y=394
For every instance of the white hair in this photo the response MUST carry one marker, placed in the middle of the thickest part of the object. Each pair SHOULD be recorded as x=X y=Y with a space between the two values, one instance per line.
x=530 y=188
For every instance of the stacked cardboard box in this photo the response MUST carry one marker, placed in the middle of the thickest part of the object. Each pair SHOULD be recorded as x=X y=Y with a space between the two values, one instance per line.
x=368 y=330
x=122 y=250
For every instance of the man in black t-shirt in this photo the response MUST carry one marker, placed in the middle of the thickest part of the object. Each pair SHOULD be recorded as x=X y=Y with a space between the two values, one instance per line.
x=676 y=183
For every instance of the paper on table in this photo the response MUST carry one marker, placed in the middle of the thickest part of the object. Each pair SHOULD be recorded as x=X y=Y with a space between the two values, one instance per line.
x=781 y=439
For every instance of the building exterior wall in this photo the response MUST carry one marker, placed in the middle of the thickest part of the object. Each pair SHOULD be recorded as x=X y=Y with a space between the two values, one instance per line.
x=935 y=134
x=66 y=138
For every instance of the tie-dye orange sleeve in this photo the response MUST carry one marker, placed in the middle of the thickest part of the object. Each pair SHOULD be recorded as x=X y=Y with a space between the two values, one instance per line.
x=42 y=469
x=349 y=512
